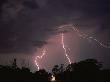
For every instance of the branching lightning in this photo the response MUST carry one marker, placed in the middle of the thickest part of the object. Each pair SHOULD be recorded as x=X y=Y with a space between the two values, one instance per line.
x=84 y=36
x=39 y=58
x=79 y=33
x=65 y=50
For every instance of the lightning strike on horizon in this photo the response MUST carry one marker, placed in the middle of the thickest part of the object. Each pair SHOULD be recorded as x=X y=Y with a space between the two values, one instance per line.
x=40 y=57
x=65 y=50
x=84 y=36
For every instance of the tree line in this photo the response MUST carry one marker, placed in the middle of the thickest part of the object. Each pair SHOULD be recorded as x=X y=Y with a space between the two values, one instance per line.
x=89 y=70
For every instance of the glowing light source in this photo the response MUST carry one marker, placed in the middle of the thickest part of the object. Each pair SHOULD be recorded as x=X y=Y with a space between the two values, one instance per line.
x=52 y=78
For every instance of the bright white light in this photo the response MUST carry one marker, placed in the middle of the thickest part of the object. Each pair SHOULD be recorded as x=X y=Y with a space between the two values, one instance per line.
x=63 y=44
x=53 y=78
x=40 y=57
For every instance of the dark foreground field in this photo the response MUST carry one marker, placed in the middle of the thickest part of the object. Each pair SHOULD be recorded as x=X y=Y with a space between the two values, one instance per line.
x=89 y=70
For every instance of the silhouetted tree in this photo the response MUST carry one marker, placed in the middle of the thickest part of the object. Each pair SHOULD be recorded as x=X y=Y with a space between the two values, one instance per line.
x=41 y=76
x=88 y=70
x=14 y=65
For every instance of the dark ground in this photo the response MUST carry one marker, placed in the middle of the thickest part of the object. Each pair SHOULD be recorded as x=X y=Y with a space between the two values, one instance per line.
x=89 y=70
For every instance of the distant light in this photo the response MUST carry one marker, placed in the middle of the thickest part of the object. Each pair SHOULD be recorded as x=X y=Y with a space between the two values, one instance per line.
x=53 y=78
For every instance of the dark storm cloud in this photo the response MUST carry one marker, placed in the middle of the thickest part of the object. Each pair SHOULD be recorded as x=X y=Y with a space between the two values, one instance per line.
x=86 y=14
x=15 y=35
x=25 y=25
x=31 y=4
x=90 y=9
x=90 y=6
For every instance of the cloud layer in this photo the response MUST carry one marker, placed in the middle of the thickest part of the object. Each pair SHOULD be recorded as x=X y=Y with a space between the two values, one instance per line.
x=26 y=24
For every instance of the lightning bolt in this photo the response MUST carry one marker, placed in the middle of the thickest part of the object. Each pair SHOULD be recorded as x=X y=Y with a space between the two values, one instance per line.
x=39 y=58
x=65 y=50
x=90 y=38
x=84 y=36
x=79 y=33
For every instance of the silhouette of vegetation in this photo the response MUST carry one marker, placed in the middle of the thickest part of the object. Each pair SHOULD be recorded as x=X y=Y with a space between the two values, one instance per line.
x=89 y=70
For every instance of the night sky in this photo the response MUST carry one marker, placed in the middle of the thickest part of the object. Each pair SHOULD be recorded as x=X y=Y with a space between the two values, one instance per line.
x=27 y=26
